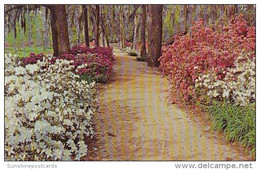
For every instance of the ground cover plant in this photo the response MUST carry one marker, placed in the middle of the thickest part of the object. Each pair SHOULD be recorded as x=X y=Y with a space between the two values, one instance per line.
x=238 y=123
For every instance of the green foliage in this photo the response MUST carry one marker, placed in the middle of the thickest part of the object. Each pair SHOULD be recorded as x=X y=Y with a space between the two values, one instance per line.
x=238 y=123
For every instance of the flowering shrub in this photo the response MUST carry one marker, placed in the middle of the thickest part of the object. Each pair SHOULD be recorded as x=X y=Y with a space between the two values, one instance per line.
x=238 y=85
x=130 y=51
x=100 y=51
x=47 y=111
x=205 y=50
x=33 y=58
x=95 y=63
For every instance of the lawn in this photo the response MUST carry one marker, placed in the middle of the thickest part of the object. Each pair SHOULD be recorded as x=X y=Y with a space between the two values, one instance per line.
x=27 y=50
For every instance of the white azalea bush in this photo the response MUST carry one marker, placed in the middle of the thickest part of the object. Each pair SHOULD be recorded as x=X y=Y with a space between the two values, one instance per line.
x=130 y=51
x=48 y=111
x=237 y=86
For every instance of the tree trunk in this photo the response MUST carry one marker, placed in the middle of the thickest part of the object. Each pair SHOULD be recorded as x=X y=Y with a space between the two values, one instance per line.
x=197 y=12
x=206 y=15
x=39 y=37
x=222 y=14
x=174 y=24
x=190 y=9
x=102 y=26
x=136 y=30
x=93 y=21
x=76 y=22
x=183 y=21
x=69 y=9
x=86 y=25
x=122 y=29
x=29 y=29
x=97 y=26
x=185 y=18
x=113 y=24
x=46 y=28
x=154 y=35
x=54 y=31
x=59 y=26
x=213 y=15
x=143 y=26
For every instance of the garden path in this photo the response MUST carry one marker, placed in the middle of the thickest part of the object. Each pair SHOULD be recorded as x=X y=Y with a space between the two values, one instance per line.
x=136 y=121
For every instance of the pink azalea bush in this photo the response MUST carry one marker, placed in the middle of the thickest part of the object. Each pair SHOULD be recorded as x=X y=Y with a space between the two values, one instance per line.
x=92 y=64
x=203 y=51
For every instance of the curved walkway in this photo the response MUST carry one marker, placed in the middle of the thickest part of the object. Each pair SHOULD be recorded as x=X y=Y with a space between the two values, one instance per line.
x=136 y=121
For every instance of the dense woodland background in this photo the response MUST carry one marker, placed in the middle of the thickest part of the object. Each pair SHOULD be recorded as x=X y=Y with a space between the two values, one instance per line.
x=30 y=26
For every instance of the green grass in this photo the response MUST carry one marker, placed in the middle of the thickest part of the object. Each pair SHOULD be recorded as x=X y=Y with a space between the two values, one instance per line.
x=25 y=52
x=238 y=123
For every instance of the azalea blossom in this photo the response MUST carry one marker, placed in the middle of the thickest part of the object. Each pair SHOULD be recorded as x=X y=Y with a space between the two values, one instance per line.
x=19 y=71
x=36 y=109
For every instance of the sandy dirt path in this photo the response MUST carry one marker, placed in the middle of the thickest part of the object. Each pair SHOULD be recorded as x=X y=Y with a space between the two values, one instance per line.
x=136 y=121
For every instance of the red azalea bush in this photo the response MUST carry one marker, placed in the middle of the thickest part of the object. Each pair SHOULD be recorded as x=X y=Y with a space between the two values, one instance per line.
x=33 y=58
x=205 y=50
x=107 y=52
x=90 y=63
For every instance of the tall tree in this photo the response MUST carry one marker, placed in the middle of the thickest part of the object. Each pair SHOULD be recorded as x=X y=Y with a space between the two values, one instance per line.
x=59 y=28
x=136 y=30
x=54 y=31
x=97 y=25
x=206 y=15
x=113 y=23
x=185 y=8
x=182 y=19
x=190 y=9
x=213 y=14
x=92 y=11
x=30 y=28
x=154 y=34
x=143 y=26
x=102 y=26
x=46 y=28
x=70 y=12
x=77 y=22
x=122 y=26
x=107 y=26
x=86 y=25
x=197 y=11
